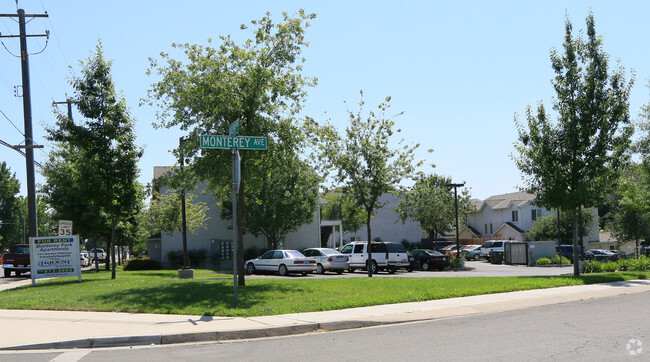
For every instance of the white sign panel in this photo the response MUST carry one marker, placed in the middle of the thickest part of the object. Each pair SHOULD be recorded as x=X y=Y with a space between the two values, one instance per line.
x=65 y=227
x=54 y=256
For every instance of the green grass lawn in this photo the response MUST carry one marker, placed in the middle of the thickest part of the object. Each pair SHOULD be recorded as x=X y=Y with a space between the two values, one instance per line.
x=162 y=292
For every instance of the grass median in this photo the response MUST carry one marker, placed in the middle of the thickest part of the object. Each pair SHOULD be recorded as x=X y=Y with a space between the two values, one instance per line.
x=162 y=292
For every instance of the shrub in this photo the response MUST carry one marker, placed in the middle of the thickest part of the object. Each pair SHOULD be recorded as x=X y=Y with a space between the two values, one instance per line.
x=253 y=252
x=593 y=266
x=197 y=257
x=624 y=264
x=610 y=267
x=565 y=260
x=556 y=260
x=642 y=263
x=457 y=263
x=142 y=264
x=546 y=261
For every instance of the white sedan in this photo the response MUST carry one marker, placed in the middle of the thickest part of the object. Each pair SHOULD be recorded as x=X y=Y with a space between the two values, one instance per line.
x=282 y=261
x=328 y=259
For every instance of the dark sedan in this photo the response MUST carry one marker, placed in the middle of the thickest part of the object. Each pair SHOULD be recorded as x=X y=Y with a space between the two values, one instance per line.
x=426 y=259
x=600 y=255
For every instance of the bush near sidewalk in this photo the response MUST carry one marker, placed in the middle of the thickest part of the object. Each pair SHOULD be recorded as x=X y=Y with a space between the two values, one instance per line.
x=640 y=264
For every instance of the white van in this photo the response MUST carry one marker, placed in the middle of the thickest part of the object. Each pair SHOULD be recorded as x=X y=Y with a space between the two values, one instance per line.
x=388 y=256
x=493 y=245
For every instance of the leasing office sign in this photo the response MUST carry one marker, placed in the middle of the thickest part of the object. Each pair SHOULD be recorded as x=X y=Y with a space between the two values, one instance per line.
x=54 y=256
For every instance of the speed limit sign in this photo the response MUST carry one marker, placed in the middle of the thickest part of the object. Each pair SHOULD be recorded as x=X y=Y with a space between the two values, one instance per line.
x=65 y=227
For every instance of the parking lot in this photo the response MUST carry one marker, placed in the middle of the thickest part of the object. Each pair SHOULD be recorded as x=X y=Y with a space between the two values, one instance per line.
x=479 y=268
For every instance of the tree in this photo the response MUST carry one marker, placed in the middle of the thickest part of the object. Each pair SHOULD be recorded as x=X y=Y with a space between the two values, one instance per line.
x=546 y=227
x=258 y=83
x=283 y=197
x=105 y=142
x=164 y=213
x=11 y=225
x=630 y=217
x=366 y=165
x=431 y=202
x=571 y=163
x=340 y=206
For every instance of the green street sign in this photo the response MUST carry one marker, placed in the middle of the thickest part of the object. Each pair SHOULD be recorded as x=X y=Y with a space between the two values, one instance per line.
x=234 y=128
x=240 y=142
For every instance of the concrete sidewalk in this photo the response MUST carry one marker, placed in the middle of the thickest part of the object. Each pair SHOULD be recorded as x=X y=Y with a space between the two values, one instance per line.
x=62 y=330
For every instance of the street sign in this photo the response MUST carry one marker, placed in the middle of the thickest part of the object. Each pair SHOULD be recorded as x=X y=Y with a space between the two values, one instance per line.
x=65 y=227
x=239 y=142
x=234 y=128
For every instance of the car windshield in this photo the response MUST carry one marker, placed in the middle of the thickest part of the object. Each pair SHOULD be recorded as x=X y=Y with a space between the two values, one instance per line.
x=293 y=254
x=330 y=251
x=433 y=252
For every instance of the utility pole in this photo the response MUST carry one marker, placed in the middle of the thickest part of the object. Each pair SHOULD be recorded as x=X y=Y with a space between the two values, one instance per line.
x=456 y=186
x=27 y=111
x=69 y=103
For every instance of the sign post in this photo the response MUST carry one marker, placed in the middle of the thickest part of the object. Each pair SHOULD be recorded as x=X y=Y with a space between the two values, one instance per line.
x=234 y=143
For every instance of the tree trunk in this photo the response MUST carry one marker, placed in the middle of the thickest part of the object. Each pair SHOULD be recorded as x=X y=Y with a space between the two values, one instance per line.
x=369 y=263
x=581 y=230
x=576 y=251
x=109 y=244
x=112 y=252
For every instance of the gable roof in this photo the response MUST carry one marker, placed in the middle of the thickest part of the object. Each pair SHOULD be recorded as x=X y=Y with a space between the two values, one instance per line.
x=510 y=225
x=504 y=201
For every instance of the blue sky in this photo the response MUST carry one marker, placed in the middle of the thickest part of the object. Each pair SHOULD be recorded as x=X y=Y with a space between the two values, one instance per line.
x=459 y=70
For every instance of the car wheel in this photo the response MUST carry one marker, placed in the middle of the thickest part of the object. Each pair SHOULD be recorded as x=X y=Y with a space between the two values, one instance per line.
x=425 y=266
x=339 y=272
x=250 y=268
x=477 y=257
x=351 y=270
x=283 y=270
x=7 y=273
x=373 y=267
x=320 y=269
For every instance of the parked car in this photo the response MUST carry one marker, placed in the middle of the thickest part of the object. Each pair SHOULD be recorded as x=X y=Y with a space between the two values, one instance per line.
x=600 y=255
x=471 y=252
x=16 y=261
x=565 y=251
x=101 y=255
x=328 y=260
x=281 y=261
x=620 y=254
x=388 y=256
x=84 y=258
x=426 y=259
x=493 y=245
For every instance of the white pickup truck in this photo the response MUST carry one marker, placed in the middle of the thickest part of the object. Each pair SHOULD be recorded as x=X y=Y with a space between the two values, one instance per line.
x=101 y=255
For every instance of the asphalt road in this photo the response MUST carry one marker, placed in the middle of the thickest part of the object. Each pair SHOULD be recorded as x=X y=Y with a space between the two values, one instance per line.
x=605 y=329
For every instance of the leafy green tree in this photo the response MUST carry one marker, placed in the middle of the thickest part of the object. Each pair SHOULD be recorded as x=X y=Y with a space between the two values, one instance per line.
x=366 y=165
x=340 y=206
x=105 y=142
x=569 y=164
x=164 y=213
x=11 y=227
x=430 y=202
x=546 y=227
x=258 y=83
x=630 y=217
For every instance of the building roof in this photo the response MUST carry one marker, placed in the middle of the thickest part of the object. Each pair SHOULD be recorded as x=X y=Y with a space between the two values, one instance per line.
x=504 y=201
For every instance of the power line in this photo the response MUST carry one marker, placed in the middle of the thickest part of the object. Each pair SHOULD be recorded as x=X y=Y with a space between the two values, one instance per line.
x=18 y=129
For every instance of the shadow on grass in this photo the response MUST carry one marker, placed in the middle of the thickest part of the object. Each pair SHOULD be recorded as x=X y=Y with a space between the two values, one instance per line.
x=197 y=298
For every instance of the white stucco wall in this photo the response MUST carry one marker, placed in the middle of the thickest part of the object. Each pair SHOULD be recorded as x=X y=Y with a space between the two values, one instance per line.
x=387 y=226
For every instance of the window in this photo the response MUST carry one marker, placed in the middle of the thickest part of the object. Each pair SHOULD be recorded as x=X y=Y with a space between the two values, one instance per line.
x=490 y=228
x=486 y=228
x=346 y=249
x=535 y=213
x=515 y=216
x=358 y=248
x=277 y=255
x=267 y=255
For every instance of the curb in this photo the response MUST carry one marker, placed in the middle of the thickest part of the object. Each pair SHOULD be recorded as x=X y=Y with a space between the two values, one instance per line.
x=166 y=339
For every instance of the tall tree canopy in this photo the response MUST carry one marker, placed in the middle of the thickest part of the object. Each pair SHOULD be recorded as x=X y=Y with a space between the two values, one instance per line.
x=11 y=225
x=432 y=203
x=365 y=164
x=258 y=83
x=99 y=152
x=570 y=163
